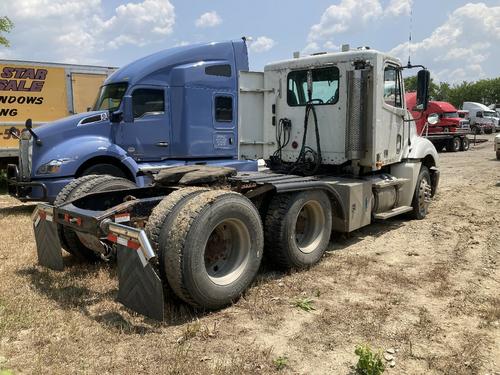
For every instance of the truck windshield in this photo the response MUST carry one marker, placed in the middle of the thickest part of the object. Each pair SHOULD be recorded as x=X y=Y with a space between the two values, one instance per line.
x=110 y=96
x=450 y=115
x=489 y=114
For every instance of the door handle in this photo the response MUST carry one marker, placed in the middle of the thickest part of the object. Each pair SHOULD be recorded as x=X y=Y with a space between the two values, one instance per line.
x=162 y=144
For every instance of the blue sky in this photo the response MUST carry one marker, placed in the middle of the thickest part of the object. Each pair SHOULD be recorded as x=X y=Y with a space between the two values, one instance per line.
x=458 y=40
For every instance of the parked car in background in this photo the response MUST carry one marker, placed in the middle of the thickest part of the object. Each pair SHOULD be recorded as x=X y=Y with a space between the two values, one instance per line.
x=482 y=119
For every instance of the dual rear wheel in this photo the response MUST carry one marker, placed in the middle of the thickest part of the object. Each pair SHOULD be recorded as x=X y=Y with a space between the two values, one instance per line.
x=210 y=243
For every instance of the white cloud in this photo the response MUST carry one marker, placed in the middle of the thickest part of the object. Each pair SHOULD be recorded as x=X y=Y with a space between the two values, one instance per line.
x=398 y=8
x=340 y=18
x=78 y=30
x=208 y=19
x=463 y=47
x=353 y=14
x=261 y=44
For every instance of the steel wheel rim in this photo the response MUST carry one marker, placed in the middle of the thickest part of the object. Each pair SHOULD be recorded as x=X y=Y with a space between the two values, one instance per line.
x=227 y=251
x=424 y=195
x=309 y=226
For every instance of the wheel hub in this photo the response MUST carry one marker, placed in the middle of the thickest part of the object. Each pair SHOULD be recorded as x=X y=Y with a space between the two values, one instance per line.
x=309 y=226
x=227 y=251
x=425 y=192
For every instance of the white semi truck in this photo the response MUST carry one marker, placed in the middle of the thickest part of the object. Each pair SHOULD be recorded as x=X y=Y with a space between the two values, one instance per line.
x=482 y=116
x=341 y=149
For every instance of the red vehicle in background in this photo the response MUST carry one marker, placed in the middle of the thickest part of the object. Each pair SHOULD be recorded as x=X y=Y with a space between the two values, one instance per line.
x=449 y=132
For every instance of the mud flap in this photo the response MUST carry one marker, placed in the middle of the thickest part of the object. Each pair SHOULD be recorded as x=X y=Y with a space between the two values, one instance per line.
x=139 y=286
x=48 y=246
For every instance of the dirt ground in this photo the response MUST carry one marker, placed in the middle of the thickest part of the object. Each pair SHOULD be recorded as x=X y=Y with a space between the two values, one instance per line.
x=428 y=289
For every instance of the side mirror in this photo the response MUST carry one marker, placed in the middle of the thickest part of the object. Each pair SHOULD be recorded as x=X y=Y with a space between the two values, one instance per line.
x=423 y=81
x=433 y=119
x=116 y=116
x=128 y=112
x=28 y=124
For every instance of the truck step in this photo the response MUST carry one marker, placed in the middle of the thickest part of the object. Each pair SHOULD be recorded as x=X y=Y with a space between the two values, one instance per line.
x=394 y=212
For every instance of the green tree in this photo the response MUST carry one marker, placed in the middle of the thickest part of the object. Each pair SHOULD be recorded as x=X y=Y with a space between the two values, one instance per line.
x=486 y=91
x=411 y=85
x=6 y=26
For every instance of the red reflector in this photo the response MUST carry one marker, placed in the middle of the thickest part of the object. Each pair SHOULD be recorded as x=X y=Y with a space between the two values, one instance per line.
x=66 y=217
x=133 y=245
x=79 y=221
x=111 y=237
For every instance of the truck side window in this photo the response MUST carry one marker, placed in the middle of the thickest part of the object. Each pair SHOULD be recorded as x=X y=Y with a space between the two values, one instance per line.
x=150 y=101
x=223 y=108
x=325 y=86
x=392 y=87
x=219 y=70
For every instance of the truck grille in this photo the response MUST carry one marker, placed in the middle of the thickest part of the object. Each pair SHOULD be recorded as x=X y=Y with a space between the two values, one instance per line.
x=25 y=154
x=464 y=124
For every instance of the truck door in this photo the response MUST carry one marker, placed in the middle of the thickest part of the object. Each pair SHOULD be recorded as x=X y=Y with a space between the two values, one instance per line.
x=393 y=114
x=147 y=138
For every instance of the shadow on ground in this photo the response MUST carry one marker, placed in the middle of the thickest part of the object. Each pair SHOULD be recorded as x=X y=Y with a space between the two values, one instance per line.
x=68 y=290
x=20 y=209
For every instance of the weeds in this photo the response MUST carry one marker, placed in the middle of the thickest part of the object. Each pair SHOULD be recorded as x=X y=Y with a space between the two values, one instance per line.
x=369 y=363
x=305 y=304
x=196 y=329
x=280 y=362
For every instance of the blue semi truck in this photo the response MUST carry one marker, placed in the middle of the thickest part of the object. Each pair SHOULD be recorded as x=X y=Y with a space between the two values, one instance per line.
x=176 y=107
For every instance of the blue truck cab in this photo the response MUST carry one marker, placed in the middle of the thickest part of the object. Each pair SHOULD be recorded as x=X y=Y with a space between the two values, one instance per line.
x=178 y=106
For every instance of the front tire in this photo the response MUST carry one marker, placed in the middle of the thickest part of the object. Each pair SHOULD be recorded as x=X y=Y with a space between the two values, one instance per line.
x=214 y=249
x=422 y=195
x=298 y=228
x=104 y=169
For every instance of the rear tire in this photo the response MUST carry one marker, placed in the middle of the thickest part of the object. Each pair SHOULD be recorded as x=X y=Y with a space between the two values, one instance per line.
x=298 y=228
x=465 y=144
x=498 y=155
x=87 y=186
x=215 y=248
x=65 y=195
x=160 y=221
x=422 y=194
x=454 y=144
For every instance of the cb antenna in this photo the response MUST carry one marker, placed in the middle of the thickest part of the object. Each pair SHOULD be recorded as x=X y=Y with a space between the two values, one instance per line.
x=409 y=36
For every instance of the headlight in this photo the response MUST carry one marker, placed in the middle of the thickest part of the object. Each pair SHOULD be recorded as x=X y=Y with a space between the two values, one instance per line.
x=52 y=166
